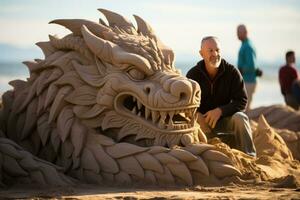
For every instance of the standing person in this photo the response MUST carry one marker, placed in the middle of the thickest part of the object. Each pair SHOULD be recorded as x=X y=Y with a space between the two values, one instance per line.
x=287 y=76
x=223 y=95
x=247 y=62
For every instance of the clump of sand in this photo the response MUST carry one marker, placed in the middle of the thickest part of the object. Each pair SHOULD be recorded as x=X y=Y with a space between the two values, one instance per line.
x=274 y=163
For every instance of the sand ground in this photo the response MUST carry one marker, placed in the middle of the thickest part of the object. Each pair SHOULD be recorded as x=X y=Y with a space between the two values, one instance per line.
x=101 y=192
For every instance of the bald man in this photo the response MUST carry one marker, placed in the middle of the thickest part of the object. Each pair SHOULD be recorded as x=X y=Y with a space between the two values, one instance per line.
x=247 y=62
x=223 y=95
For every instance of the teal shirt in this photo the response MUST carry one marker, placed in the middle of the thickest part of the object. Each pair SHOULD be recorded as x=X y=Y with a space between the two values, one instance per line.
x=247 y=61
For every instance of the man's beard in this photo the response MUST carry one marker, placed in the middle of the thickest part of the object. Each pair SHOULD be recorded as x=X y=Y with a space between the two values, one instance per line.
x=215 y=61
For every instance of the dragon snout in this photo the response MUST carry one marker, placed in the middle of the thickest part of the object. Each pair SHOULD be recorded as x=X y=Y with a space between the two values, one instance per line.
x=185 y=90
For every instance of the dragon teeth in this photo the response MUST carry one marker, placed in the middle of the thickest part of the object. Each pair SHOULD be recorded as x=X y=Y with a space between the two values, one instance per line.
x=182 y=113
x=171 y=114
x=147 y=113
x=190 y=113
x=139 y=104
x=170 y=122
x=160 y=117
x=133 y=110
x=161 y=123
x=155 y=116
x=194 y=111
x=194 y=120
x=163 y=115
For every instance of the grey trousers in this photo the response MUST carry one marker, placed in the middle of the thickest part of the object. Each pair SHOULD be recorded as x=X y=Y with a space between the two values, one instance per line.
x=238 y=125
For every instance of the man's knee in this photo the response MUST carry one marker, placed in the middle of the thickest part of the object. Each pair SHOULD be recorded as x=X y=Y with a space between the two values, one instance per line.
x=240 y=118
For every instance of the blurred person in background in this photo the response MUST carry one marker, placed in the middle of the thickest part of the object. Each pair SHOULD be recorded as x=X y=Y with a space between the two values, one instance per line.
x=288 y=79
x=247 y=63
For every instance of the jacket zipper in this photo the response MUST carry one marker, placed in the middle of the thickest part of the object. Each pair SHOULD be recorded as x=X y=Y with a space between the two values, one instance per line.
x=211 y=82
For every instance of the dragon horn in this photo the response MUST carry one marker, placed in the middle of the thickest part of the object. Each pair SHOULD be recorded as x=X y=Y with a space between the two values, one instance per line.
x=113 y=53
x=75 y=25
x=115 y=19
x=146 y=29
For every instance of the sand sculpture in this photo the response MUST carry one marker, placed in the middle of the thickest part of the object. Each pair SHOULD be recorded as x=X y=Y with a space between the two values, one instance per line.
x=279 y=116
x=106 y=105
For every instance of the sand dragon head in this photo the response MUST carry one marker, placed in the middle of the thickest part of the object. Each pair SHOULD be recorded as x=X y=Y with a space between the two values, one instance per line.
x=119 y=81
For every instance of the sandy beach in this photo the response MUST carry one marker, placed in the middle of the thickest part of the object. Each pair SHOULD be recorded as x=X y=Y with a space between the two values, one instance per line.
x=101 y=192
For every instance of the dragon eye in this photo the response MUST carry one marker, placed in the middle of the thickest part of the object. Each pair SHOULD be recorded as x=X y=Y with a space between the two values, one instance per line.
x=136 y=74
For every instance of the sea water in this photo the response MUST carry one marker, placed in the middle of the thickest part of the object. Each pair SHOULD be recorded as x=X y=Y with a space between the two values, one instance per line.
x=267 y=91
x=10 y=71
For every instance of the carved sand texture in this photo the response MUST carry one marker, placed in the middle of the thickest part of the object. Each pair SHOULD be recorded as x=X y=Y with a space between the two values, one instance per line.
x=19 y=166
x=278 y=116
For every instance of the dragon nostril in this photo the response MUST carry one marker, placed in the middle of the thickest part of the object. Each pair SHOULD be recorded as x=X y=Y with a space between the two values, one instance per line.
x=147 y=89
x=183 y=95
x=182 y=89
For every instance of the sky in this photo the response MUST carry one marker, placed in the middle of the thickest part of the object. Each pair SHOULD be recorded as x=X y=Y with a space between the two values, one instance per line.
x=274 y=28
x=274 y=25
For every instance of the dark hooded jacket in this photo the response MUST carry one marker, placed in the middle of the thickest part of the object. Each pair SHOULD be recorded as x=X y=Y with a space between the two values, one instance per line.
x=226 y=91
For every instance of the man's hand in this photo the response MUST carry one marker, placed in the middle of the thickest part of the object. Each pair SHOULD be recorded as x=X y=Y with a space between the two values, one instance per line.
x=212 y=116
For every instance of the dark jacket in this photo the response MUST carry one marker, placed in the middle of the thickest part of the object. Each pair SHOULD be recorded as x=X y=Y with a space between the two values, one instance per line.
x=226 y=91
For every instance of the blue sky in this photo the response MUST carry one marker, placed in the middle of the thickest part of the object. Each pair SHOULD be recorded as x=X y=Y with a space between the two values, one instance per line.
x=274 y=26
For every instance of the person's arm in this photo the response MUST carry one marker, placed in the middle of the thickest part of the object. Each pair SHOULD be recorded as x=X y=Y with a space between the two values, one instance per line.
x=238 y=96
x=250 y=59
x=281 y=81
x=241 y=59
x=295 y=74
